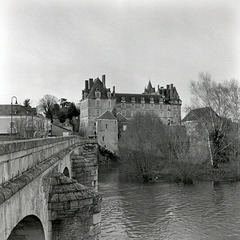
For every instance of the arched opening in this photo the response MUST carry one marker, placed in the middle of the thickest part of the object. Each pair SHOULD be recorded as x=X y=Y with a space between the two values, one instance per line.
x=66 y=172
x=29 y=228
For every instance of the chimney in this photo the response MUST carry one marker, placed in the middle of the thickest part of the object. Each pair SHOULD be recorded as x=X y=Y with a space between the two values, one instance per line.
x=103 y=81
x=90 y=83
x=171 y=91
x=168 y=92
x=113 y=91
x=86 y=84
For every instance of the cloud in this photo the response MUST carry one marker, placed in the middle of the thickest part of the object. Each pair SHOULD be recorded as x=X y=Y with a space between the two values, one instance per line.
x=53 y=46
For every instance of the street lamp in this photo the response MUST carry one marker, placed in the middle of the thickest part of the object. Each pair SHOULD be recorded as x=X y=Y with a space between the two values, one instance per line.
x=11 y=123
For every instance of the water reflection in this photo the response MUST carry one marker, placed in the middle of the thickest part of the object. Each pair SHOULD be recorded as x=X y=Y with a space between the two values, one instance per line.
x=168 y=211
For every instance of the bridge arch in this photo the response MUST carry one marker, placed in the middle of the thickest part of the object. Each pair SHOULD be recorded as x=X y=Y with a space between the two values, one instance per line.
x=66 y=172
x=29 y=228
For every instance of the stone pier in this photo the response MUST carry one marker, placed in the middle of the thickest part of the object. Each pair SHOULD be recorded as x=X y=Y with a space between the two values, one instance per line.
x=85 y=166
x=75 y=210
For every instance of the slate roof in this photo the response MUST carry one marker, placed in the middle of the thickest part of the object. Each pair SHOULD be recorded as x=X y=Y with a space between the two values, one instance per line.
x=107 y=115
x=97 y=84
x=150 y=89
x=128 y=97
x=121 y=118
x=17 y=110
x=198 y=113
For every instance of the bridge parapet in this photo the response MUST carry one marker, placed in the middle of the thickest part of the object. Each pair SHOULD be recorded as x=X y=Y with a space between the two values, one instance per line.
x=19 y=156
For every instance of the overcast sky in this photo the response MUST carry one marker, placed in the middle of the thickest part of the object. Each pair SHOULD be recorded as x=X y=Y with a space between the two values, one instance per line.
x=51 y=47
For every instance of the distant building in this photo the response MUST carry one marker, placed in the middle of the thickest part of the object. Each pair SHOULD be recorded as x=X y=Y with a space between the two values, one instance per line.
x=199 y=125
x=61 y=129
x=22 y=121
x=107 y=131
x=164 y=102
x=123 y=123
x=198 y=119
x=97 y=98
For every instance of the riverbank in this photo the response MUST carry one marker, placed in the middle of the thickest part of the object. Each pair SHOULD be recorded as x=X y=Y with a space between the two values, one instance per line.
x=181 y=172
x=132 y=210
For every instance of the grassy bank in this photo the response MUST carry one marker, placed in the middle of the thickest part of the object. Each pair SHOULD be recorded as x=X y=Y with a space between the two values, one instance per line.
x=186 y=172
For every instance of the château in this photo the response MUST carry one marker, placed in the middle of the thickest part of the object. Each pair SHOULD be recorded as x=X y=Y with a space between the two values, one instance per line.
x=97 y=99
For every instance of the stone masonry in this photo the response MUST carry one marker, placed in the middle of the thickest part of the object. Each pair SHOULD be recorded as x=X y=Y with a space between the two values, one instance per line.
x=75 y=210
x=84 y=166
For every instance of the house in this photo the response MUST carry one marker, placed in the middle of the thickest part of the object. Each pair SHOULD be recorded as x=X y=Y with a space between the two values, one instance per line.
x=209 y=132
x=97 y=98
x=22 y=121
x=123 y=123
x=61 y=129
x=107 y=131
x=198 y=121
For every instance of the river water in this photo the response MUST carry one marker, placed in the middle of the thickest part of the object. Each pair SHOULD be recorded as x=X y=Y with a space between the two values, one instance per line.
x=204 y=211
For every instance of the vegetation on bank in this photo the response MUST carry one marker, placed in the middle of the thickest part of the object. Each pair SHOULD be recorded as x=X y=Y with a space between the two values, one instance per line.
x=151 y=151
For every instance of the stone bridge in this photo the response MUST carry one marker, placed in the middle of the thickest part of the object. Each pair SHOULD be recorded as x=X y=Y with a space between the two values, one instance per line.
x=41 y=191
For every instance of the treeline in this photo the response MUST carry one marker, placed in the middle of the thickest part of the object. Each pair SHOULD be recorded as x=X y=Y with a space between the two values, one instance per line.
x=61 y=109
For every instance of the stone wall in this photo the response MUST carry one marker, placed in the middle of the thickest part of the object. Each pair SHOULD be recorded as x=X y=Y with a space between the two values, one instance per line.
x=75 y=210
x=85 y=166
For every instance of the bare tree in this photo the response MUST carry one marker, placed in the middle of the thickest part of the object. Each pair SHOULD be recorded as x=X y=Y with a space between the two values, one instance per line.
x=222 y=102
x=48 y=106
x=141 y=147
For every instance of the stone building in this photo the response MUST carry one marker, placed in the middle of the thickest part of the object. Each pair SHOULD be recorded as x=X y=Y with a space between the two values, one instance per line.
x=107 y=131
x=22 y=122
x=97 y=98
x=164 y=102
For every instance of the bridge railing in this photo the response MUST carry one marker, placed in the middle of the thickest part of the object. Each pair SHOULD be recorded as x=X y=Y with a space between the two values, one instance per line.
x=17 y=157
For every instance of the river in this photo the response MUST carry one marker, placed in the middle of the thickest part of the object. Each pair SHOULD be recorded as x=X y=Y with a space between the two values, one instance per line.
x=204 y=211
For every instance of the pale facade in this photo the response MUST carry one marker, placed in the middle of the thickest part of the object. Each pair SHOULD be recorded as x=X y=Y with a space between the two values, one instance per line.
x=107 y=131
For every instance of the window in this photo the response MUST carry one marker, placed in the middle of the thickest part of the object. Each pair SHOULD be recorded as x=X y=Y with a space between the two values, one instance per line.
x=124 y=127
x=123 y=105
x=122 y=99
x=133 y=113
x=97 y=103
x=103 y=138
x=124 y=113
x=106 y=126
x=97 y=112
x=151 y=100
x=97 y=93
x=142 y=100
x=133 y=99
x=160 y=106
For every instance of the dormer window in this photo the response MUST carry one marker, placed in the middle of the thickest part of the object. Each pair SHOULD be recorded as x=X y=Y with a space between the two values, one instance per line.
x=97 y=93
x=142 y=100
x=123 y=99
x=109 y=94
x=161 y=100
x=133 y=99
x=151 y=100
